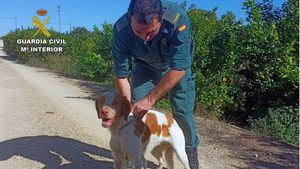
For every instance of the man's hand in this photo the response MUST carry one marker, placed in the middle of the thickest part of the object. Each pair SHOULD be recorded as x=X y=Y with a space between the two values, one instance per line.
x=167 y=82
x=141 y=107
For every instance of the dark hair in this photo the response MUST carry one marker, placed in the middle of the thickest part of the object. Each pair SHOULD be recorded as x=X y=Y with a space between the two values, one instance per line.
x=145 y=10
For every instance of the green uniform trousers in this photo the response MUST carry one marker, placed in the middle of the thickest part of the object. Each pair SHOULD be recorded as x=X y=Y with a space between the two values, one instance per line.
x=182 y=98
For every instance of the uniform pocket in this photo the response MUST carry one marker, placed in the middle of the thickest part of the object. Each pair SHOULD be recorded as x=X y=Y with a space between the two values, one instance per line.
x=191 y=93
x=164 y=47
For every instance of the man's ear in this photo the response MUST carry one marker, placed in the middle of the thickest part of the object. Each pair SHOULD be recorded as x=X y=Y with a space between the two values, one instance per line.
x=126 y=107
x=99 y=103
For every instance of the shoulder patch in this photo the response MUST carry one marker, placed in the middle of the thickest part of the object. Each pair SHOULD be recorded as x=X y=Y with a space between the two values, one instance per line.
x=171 y=16
x=122 y=22
x=181 y=28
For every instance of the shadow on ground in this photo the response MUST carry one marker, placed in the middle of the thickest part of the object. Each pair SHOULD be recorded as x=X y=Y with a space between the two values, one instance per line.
x=7 y=57
x=244 y=146
x=263 y=152
x=93 y=90
x=50 y=150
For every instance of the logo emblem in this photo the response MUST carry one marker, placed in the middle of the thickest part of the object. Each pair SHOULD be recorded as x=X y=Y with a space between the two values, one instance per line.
x=41 y=25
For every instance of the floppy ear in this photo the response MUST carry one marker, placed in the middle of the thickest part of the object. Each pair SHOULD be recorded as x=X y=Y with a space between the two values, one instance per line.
x=99 y=103
x=126 y=106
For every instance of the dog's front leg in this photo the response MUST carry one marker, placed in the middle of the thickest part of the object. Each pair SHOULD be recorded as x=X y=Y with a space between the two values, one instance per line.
x=119 y=161
x=145 y=164
x=139 y=162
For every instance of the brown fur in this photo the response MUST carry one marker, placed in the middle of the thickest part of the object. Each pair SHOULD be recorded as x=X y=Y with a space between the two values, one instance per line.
x=113 y=108
x=99 y=103
x=155 y=128
x=141 y=130
x=123 y=106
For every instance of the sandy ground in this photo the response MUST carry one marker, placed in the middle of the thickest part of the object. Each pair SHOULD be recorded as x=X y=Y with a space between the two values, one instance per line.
x=49 y=121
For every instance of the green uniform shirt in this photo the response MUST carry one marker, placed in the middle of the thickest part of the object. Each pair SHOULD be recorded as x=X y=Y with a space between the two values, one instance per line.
x=171 y=48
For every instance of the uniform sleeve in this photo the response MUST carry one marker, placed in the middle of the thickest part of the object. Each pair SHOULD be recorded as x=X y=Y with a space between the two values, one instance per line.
x=121 y=55
x=180 y=45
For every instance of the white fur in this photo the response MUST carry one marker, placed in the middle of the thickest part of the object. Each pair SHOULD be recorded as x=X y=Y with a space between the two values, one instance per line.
x=125 y=144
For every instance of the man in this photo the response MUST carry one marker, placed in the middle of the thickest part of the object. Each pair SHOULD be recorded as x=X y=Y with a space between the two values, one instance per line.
x=152 y=44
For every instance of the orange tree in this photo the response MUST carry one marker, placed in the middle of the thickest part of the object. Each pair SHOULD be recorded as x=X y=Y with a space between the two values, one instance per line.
x=248 y=72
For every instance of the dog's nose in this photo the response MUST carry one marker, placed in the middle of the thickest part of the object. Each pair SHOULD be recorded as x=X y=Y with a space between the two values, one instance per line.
x=105 y=112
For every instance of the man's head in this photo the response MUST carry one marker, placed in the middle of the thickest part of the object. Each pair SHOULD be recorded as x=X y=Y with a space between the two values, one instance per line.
x=146 y=18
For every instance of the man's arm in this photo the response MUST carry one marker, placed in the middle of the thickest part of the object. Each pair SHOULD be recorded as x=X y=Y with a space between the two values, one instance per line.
x=121 y=57
x=123 y=87
x=163 y=87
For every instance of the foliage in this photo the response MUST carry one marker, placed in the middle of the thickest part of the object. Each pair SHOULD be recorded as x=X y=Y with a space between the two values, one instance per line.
x=87 y=53
x=281 y=123
x=242 y=70
x=94 y=66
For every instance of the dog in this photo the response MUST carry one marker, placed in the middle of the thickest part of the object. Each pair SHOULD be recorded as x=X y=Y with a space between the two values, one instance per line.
x=156 y=133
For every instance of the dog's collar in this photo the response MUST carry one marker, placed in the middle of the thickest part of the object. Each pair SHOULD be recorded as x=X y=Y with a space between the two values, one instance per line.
x=131 y=120
x=127 y=123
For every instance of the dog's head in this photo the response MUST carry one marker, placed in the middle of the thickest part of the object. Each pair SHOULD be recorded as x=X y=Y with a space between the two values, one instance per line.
x=110 y=107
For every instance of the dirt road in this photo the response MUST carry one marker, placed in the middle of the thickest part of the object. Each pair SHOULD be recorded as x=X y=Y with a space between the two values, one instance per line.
x=49 y=121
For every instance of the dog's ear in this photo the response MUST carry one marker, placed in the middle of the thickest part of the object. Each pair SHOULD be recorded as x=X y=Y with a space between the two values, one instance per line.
x=99 y=103
x=126 y=106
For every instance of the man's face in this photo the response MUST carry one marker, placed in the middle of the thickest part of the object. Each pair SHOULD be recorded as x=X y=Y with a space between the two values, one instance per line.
x=144 y=31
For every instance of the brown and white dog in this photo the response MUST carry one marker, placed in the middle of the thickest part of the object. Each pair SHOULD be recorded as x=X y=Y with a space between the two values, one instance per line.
x=156 y=133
